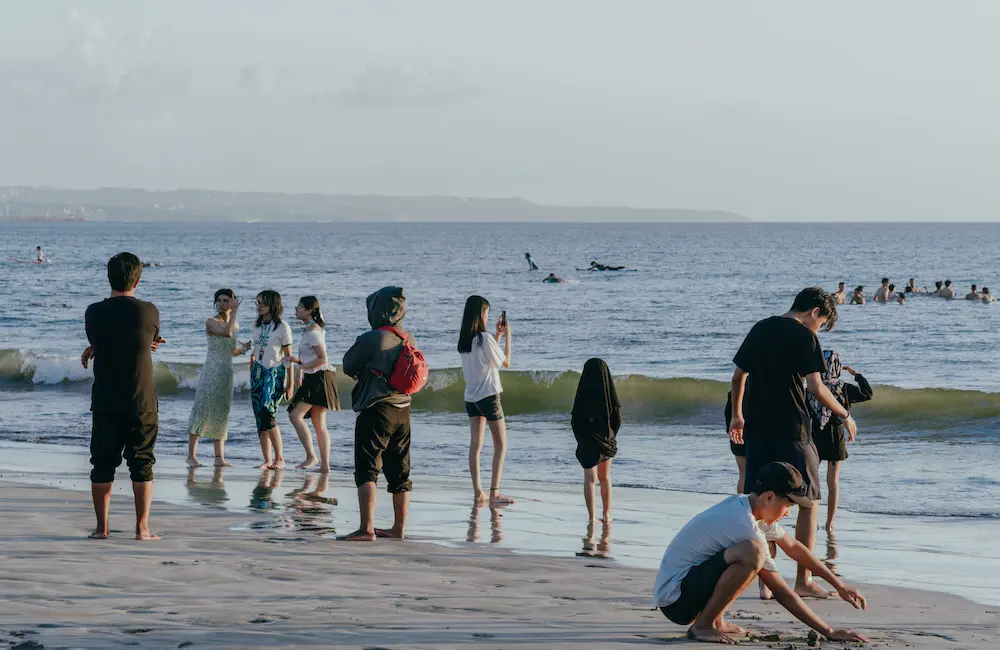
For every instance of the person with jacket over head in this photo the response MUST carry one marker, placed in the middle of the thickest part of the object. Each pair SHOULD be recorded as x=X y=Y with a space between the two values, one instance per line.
x=597 y=416
x=828 y=432
x=382 y=428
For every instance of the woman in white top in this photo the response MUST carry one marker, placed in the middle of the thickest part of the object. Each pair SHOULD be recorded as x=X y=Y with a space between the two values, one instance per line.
x=270 y=384
x=482 y=359
x=317 y=382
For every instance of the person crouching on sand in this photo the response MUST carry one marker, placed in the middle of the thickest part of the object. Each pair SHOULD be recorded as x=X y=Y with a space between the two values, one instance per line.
x=828 y=432
x=718 y=553
x=597 y=416
x=482 y=359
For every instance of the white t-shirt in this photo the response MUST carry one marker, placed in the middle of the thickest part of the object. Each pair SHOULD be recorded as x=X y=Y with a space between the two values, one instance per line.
x=313 y=339
x=725 y=524
x=481 y=368
x=268 y=341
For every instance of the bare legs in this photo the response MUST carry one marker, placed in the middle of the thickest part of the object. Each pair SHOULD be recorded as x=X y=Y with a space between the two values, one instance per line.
x=220 y=452
x=833 y=490
x=602 y=473
x=366 y=502
x=805 y=533
x=143 y=492
x=745 y=561
x=589 y=483
x=268 y=439
x=298 y=418
x=741 y=463
x=498 y=429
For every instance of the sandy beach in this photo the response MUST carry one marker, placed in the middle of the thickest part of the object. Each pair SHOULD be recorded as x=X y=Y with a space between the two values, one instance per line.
x=214 y=581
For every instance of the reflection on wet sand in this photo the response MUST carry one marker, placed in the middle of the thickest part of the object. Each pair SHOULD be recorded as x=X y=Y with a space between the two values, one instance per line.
x=602 y=548
x=496 y=533
x=831 y=553
x=207 y=493
x=306 y=509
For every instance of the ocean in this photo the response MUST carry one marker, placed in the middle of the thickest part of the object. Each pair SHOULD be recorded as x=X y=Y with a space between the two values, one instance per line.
x=928 y=443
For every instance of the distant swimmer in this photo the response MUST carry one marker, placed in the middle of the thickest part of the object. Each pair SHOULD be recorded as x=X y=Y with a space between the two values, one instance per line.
x=552 y=278
x=39 y=255
x=531 y=263
x=858 y=297
x=937 y=288
x=948 y=291
x=974 y=294
x=901 y=298
x=840 y=295
x=911 y=287
x=594 y=266
x=882 y=293
x=146 y=265
x=986 y=297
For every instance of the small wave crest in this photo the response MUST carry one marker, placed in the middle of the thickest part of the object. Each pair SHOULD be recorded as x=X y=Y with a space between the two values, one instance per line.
x=543 y=392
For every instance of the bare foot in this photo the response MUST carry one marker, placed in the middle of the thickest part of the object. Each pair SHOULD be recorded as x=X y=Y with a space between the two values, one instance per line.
x=146 y=536
x=732 y=629
x=607 y=518
x=358 y=536
x=307 y=463
x=265 y=465
x=765 y=593
x=222 y=462
x=829 y=527
x=388 y=533
x=497 y=498
x=480 y=498
x=193 y=462
x=97 y=535
x=278 y=464
x=708 y=635
x=324 y=469
x=813 y=590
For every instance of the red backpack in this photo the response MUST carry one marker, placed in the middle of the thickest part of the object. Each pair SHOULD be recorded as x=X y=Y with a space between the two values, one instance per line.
x=411 y=371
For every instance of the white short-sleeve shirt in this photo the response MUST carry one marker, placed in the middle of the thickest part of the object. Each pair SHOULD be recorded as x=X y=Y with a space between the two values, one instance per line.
x=481 y=368
x=310 y=340
x=268 y=341
x=723 y=525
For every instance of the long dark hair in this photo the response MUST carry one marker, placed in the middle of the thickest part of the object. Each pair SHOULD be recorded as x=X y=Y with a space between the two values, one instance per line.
x=312 y=304
x=273 y=301
x=473 y=324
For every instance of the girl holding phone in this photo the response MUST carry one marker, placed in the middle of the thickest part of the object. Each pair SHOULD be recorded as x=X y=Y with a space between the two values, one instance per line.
x=482 y=359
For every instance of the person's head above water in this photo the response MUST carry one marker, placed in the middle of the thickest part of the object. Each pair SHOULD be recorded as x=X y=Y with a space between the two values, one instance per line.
x=892 y=287
x=901 y=298
x=986 y=291
x=974 y=288
x=816 y=309
x=947 y=283
x=124 y=271
x=912 y=282
x=842 y=285
x=474 y=319
x=859 y=289
x=885 y=282
x=38 y=248
x=938 y=284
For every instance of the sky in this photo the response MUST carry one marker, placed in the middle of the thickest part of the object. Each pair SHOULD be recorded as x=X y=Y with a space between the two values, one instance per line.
x=777 y=110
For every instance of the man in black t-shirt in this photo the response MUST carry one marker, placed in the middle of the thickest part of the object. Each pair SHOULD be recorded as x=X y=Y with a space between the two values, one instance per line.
x=779 y=360
x=123 y=331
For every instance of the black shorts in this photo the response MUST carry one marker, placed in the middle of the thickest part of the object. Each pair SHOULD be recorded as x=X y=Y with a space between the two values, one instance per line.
x=696 y=589
x=488 y=407
x=382 y=444
x=831 y=442
x=122 y=435
x=800 y=454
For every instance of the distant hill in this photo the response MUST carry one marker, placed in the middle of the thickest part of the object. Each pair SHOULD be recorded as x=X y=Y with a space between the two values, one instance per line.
x=113 y=203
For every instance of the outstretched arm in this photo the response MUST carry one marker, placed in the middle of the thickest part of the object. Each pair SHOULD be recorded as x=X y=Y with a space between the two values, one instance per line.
x=797 y=608
x=804 y=558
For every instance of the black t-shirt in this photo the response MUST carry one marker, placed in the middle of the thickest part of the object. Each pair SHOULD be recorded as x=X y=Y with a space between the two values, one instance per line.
x=122 y=330
x=778 y=353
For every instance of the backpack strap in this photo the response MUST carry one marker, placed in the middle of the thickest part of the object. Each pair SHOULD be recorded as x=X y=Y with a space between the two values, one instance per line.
x=390 y=328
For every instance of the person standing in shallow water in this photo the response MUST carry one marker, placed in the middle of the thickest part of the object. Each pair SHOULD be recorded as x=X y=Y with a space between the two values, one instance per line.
x=482 y=359
x=214 y=397
x=270 y=383
x=596 y=419
x=382 y=429
x=123 y=331
x=317 y=381
x=828 y=432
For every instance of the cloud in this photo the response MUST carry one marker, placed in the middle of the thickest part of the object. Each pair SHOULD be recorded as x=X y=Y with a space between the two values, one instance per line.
x=404 y=85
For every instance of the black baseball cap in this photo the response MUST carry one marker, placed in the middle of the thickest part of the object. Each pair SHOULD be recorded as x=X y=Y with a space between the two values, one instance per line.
x=784 y=480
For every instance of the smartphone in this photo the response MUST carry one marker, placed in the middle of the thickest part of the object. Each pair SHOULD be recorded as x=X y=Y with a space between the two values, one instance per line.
x=503 y=317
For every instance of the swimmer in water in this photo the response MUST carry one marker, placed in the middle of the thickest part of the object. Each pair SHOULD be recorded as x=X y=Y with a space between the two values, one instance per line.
x=594 y=266
x=146 y=265
x=937 y=288
x=974 y=294
x=858 y=297
x=911 y=287
x=840 y=295
x=552 y=278
x=39 y=255
x=531 y=263
x=948 y=291
x=882 y=293
x=986 y=297
x=901 y=298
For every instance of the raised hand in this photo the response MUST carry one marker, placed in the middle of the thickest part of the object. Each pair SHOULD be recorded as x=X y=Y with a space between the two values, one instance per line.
x=156 y=343
x=851 y=370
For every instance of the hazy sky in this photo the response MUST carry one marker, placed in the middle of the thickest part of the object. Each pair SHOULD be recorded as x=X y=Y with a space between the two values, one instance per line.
x=776 y=110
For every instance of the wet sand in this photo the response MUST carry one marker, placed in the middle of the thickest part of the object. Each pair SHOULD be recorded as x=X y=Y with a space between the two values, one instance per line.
x=226 y=579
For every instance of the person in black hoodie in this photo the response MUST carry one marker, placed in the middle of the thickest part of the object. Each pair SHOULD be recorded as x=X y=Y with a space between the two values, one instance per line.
x=597 y=416
x=382 y=429
x=828 y=432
